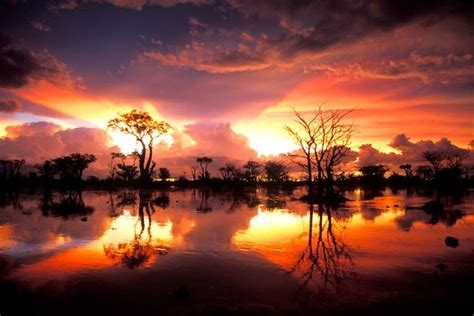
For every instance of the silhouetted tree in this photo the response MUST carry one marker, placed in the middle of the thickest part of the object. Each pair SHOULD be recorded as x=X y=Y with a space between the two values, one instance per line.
x=228 y=171
x=164 y=173
x=127 y=173
x=305 y=138
x=203 y=165
x=10 y=169
x=145 y=130
x=194 y=170
x=324 y=140
x=275 y=171
x=69 y=168
x=446 y=166
x=333 y=137
x=125 y=168
x=252 y=171
x=424 y=172
x=373 y=174
x=407 y=169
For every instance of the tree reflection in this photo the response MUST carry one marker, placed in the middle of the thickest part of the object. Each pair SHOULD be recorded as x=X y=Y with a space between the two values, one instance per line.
x=138 y=251
x=204 y=206
x=8 y=198
x=325 y=262
x=70 y=204
x=448 y=218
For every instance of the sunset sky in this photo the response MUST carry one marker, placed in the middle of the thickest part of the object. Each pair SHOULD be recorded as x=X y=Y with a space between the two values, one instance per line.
x=224 y=73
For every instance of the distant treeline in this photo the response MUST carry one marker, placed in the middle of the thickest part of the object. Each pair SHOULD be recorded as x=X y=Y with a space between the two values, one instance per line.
x=323 y=139
x=442 y=169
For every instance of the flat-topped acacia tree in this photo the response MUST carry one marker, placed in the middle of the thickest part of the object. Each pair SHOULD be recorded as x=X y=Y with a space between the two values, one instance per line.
x=145 y=129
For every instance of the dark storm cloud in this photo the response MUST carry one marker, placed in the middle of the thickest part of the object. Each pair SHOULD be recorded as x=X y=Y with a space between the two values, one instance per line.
x=316 y=25
x=9 y=106
x=19 y=66
x=127 y=4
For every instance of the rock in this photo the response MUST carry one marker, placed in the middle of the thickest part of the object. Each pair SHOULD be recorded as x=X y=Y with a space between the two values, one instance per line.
x=451 y=242
x=433 y=207
x=84 y=219
x=441 y=266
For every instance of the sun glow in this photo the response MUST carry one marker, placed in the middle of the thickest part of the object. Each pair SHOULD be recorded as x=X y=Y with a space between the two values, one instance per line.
x=128 y=143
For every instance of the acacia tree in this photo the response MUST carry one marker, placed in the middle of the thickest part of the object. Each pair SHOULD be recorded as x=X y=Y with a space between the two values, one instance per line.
x=407 y=169
x=145 y=129
x=203 y=165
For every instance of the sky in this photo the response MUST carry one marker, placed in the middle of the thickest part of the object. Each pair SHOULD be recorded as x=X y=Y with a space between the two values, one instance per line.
x=225 y=74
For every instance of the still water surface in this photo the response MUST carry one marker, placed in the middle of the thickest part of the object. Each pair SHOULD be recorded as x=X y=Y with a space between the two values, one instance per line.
x=259 y=252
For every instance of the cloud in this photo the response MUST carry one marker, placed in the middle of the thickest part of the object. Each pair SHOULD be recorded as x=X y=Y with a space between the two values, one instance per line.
x=137 y=5
x=58 y=5
x=216 y=140
x=219 y=139
x=9 y=106
x=40 y=26
x=19 y=67
x=427 y=68
x=218 y=59
x=317 y=25
x=35 y=142
x=409 y=152
x=31 y=129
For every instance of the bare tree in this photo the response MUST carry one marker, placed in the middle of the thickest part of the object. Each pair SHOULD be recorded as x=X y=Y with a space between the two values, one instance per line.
x=10 y=169
x=145 y=130
x=305 y=136
x=228 y=171
x=323 y=139
x=194 y=170
x=333 y=139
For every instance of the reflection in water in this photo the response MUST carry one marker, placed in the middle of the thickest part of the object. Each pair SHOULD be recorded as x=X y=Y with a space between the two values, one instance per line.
x=10 y=198
x=245 y=245
x=204 y=206
x=326 y=261
x=70 y=204
x=136 y=252
x=448 y=218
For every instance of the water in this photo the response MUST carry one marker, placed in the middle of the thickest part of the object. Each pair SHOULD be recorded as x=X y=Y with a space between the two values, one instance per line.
x=198 y=252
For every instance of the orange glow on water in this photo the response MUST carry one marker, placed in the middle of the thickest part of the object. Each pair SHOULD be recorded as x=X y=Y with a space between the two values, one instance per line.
x=377 y=234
